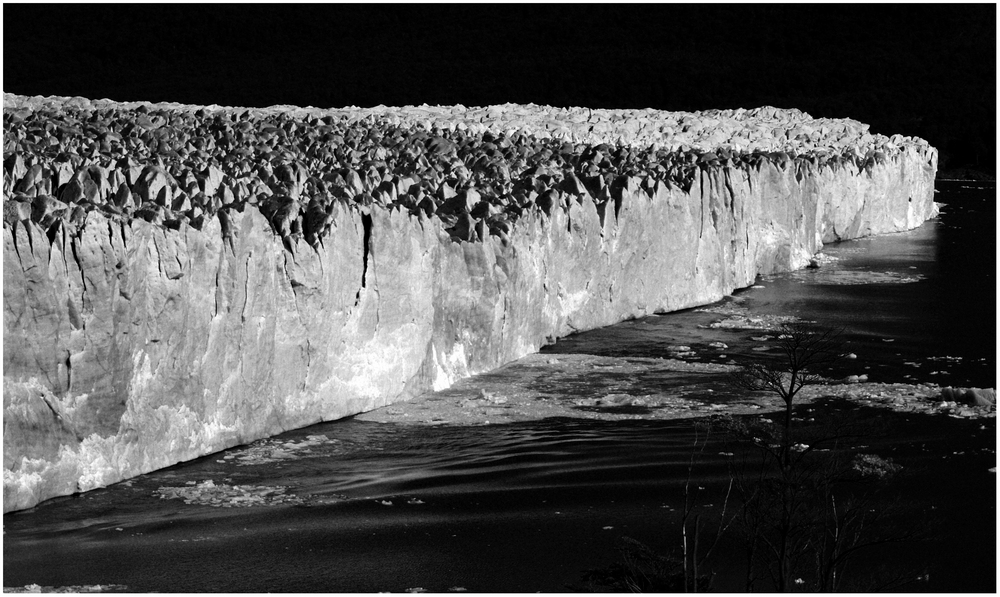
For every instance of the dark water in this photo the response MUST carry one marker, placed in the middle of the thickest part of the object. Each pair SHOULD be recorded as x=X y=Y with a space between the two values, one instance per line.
x=532 y=506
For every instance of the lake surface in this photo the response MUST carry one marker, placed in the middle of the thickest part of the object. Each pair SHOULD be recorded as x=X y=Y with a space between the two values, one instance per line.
x=354 y=506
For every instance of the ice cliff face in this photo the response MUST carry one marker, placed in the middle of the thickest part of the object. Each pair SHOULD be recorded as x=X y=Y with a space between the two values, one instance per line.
x=175 y=300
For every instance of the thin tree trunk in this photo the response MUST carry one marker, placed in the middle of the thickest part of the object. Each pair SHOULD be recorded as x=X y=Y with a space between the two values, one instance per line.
x=786 y=447
x=694 y=556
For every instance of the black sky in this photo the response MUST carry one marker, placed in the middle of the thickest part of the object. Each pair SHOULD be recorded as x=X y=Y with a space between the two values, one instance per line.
x=924 y=70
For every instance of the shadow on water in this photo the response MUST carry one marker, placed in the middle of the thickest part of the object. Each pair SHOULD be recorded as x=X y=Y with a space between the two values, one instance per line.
x=520 y=507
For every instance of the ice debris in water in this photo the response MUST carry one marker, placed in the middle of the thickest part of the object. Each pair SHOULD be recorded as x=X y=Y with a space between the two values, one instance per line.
x=207 y=493
x=870 y=465
x=739 y=318
x=680 y=351
x=648 y=400
x=274 y=450
x=852 y=278
x=68 y=589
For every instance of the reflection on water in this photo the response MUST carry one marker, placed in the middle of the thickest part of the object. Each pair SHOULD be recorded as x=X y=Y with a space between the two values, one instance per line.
x=359 y=506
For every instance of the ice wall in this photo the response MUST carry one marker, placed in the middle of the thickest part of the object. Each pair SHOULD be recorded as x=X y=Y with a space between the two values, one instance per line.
x=130 y=345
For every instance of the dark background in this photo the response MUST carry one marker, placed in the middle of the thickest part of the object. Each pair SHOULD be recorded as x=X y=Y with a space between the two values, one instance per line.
x=923 y=70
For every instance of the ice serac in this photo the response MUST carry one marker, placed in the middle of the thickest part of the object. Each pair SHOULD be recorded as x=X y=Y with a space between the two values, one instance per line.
x=130 y=345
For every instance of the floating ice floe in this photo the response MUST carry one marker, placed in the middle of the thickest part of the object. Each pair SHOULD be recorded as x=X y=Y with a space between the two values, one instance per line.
x=68 y=589
x=970 y=396
x=870 y=465
x=841 y=277
x=821 y=259
x=680 y=349
x=208 y=493
x=648 y=400
x=739 y=318
x=274 y=450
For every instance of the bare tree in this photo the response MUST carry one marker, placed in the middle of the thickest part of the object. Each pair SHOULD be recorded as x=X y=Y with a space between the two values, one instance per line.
x=804 y=350
x=795 y=510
